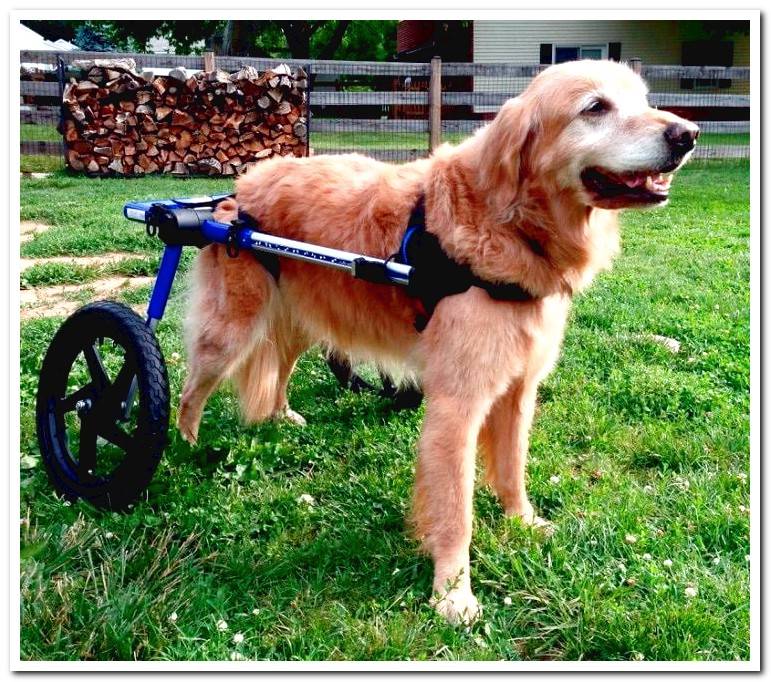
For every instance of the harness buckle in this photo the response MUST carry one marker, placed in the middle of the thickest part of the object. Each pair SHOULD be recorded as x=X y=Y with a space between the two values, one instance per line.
x=232 y=247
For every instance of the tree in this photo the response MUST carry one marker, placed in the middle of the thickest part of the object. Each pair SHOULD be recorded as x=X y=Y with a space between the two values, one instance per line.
x=321 y=39
x=91 y=38
x=295 y=39
x=363 y=41
x=720 y=30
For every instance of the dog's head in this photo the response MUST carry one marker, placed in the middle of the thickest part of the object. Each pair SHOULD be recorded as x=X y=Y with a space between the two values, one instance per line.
x=586 y=128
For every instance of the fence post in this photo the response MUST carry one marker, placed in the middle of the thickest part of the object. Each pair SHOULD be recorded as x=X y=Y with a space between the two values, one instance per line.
x=435 y=105
x=61 y=77
x=209 y=62
x=635 y=63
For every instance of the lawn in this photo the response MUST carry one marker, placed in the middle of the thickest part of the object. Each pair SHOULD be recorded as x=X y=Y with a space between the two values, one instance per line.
x=640 y=456
x=348 y=139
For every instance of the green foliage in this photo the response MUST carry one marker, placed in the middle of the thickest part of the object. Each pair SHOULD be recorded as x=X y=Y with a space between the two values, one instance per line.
x=363 y=41
x=93 y=38
x=640 y=456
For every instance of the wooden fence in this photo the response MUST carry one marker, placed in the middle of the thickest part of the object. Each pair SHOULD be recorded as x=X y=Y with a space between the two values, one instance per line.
x=399 y=111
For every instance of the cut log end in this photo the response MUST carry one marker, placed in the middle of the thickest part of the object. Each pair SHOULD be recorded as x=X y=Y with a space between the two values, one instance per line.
x=117 y=122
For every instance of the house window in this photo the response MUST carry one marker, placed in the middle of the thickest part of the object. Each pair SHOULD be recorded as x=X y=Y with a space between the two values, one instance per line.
x=707 y=53
x=569 y=53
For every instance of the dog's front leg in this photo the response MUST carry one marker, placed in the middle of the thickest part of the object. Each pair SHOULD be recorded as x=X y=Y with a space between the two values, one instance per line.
x=444 y=487
x=504 y=441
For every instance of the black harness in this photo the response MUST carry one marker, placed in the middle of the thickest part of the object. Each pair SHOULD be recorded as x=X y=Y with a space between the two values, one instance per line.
x=436 y=275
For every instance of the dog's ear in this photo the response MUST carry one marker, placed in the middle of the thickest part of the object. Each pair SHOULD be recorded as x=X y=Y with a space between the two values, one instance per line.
x=505 y=161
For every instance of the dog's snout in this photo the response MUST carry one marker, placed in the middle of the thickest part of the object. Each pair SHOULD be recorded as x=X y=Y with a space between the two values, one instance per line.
x=681 y=137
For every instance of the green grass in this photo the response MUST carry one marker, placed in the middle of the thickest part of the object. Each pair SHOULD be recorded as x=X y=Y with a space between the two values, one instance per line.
x=643 y=442
x=329 y=141
x=39 y=131
x=34 y=163
x=45 y=274
x=397 y=140
x=84 y=226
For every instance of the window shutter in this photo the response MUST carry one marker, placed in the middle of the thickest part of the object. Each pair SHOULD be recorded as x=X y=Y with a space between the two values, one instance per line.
x=545 y=53
x=614 y=51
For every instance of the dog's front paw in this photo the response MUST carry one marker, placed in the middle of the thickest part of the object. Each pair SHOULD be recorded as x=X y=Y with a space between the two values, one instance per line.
x=458 y=607
x=527 y=515
x=543 y=526
x=288 y=414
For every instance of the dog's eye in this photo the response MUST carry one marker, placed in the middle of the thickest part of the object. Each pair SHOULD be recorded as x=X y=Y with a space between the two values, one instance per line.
x=599 y=106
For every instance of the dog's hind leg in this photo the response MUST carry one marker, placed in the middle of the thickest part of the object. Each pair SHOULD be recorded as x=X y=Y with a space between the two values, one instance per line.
x=263 y=377
x=291 y=344
x=229 y=313
x=504 y=441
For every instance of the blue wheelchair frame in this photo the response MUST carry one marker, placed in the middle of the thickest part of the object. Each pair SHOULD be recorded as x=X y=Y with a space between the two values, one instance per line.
x=199 y=225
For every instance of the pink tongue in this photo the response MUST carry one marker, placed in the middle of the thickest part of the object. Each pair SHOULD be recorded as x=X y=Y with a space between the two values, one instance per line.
x=635 y=181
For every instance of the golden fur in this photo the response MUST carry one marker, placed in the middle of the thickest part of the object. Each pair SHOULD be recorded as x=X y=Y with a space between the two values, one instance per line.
x=509 y=202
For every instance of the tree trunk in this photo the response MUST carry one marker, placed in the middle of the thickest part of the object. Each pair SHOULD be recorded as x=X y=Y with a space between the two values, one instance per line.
x=334 y=42
x=238 y=39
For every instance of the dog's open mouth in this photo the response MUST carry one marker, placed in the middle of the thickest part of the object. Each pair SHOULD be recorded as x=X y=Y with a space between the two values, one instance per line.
x=626 y=189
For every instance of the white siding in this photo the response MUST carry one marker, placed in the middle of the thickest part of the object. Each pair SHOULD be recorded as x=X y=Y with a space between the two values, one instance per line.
x=655 y=42
x=519 y=42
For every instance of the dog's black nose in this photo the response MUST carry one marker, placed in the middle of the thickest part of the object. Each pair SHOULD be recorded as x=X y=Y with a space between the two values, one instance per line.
x=680 y=137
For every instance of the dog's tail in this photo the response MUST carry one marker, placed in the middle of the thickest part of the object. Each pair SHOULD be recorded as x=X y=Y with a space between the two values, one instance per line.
x=257 y=382
x=256 y=374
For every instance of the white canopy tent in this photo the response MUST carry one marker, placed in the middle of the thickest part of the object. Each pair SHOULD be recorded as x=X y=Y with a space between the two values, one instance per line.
x=29 y=40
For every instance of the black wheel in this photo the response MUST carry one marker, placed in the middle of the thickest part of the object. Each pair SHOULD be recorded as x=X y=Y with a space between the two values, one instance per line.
x=402 y=398
x=103 y=406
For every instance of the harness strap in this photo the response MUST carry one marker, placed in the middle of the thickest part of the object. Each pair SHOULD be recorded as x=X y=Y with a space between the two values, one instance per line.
x=436 y=275
x=268 y=260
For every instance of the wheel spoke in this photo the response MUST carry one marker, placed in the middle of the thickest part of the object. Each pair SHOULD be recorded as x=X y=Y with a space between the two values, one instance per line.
x=95 y=366
x=87 y=449
x=117 y=436
x=69 y=403
x=123 y=381
x=119 y=391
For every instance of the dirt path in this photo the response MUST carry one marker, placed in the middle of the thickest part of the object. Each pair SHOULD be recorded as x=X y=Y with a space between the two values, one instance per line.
x=64 y=299
x=30 y=229
x=56 y=300
x=101 y=259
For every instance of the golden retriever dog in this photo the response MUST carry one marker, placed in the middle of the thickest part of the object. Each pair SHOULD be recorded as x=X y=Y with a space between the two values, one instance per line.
x=531 y=198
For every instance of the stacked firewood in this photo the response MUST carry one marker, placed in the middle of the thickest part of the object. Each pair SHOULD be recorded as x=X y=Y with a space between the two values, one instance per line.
x=117 y=121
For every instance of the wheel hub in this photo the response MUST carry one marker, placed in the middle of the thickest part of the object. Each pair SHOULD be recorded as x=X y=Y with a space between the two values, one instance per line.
x=83 y=407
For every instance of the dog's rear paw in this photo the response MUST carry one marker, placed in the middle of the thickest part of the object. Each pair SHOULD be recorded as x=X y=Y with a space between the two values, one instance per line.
x=187 y=430
x=458 y=607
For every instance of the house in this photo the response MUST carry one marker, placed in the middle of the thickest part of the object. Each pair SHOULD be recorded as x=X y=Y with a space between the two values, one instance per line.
x=529 y=42
x=685 y=43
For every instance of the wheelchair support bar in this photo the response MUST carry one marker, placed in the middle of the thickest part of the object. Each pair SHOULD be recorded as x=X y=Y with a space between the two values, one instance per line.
x=181 y=222
x=163 y=282
x=362 y=267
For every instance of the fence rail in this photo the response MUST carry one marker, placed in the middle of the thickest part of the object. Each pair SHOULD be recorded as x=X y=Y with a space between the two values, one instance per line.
x=374 y=125
x=398 y=111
